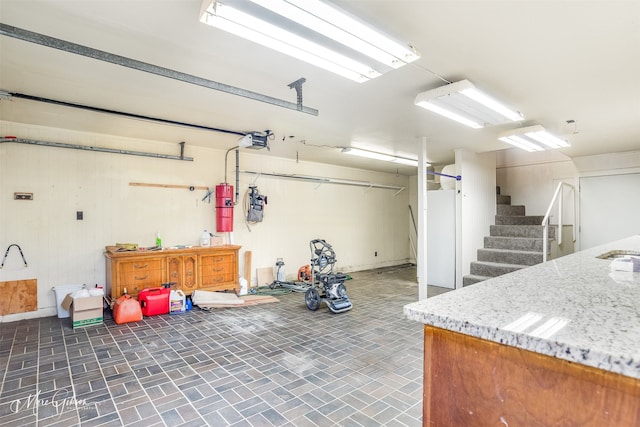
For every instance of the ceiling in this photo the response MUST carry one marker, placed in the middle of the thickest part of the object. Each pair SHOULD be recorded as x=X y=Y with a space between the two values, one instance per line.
x=571 y=66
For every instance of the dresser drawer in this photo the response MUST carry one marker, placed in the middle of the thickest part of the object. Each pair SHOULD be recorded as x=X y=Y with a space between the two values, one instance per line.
x=139 y=266
x=140 y=274
x=216 y=261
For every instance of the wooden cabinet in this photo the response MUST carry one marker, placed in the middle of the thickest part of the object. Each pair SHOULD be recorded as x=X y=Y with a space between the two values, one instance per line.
x=211 y=269
x=217 y=269
x=473 y=382
x=182 y=269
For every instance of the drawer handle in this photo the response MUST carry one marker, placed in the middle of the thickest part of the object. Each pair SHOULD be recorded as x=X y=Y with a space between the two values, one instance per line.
x=215 y=270
x=140 y=266
x=141 y=278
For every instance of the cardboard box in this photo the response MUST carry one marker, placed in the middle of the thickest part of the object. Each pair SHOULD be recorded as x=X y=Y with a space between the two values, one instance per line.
x=217 y=241
x=84 y=311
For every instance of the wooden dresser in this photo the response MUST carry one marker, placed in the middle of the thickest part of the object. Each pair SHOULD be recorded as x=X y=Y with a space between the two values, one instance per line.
x=212 y=269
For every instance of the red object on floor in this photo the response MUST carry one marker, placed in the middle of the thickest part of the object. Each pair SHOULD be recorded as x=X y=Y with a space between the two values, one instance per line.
x=126 y=309
x=154 y=301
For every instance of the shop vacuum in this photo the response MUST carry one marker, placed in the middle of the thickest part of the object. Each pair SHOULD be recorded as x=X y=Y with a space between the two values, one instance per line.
x=326 y=285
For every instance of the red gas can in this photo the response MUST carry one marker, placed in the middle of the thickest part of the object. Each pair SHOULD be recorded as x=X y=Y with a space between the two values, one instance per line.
x=126 y=309
x=154 y=301
x=224 y=207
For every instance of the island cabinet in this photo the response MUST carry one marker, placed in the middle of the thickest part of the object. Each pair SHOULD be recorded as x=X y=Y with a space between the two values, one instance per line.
x=554 y=344
x=211 y=269
x=473 y=382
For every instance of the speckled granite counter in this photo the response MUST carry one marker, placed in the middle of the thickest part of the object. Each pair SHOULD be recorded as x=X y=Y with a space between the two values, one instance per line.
x=573 y=308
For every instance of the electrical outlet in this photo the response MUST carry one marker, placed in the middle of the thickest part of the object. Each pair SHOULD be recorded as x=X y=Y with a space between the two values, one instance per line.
x=375 y=253
x=79 y=215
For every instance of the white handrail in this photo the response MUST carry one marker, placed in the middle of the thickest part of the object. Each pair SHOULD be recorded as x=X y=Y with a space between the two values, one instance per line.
x=545 y=220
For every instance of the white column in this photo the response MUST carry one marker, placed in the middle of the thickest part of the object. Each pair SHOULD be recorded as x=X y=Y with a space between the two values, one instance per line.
x=421 y=252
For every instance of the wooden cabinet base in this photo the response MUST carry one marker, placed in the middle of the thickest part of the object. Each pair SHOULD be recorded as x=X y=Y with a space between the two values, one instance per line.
x=212 y=269
x=473 y=382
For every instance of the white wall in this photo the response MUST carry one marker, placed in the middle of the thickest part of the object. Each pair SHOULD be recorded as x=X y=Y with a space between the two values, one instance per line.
x=530 y=178
x=476 y=206
x=59 y=249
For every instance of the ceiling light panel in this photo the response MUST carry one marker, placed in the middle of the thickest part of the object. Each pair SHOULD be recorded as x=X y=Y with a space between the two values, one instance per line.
x=331 y=22
x=380 y=156
x=532 y=138
x=463 y=102
x=311 y=31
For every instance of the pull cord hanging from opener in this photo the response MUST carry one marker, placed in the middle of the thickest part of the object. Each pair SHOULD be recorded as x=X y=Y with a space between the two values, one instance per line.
x=7 y=253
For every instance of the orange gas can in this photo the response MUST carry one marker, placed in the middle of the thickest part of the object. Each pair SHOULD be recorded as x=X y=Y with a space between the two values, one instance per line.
x=126 y=309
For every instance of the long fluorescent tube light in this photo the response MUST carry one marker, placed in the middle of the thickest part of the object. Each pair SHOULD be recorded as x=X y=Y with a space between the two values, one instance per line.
x=532 y=138
x=318 y=17
x=246 y=26
x=380 y=156
x=331 y=22
x=463 y=102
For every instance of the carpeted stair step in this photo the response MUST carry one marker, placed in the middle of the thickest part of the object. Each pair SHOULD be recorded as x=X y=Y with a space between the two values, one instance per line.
x=510 y=210
x=510 y=256
x=470 y=279
x=519 y=220
x=531 y=244
x=503 y=200
x=520 y=231
x=493 y=269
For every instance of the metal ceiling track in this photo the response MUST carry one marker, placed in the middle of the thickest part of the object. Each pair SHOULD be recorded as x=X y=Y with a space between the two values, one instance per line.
x=52 y=42
x=7 y=95
x=99 y=149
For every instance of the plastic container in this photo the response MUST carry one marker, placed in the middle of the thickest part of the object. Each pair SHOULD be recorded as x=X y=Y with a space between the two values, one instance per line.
x=158 y=240
x=177 y=302
x=205 y=239
x=126 y=309
x=154 y=301
x=243 y=286
x=61 y=292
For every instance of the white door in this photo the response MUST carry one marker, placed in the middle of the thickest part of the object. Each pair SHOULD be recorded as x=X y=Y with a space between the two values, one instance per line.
x=609 y=208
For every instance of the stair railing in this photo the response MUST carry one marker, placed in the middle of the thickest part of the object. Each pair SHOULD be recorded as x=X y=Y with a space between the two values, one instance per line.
x=545 y=221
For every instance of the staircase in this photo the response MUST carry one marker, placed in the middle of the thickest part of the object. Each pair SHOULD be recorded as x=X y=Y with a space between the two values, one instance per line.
x=515 y=242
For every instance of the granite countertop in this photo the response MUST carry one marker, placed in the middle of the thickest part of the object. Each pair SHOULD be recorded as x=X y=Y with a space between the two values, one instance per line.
x=573 y=308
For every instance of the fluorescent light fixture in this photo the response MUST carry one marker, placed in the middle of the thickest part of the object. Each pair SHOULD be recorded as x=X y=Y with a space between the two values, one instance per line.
x=331 y=22
x=319 y=17
x=532 y=138
x=463 y=102
x=380 y=156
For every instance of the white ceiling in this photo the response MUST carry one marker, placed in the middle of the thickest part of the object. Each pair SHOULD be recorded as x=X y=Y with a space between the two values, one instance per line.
x=552 y=60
